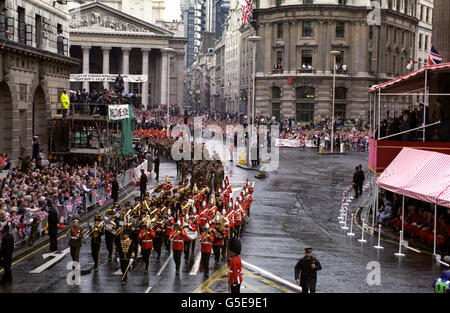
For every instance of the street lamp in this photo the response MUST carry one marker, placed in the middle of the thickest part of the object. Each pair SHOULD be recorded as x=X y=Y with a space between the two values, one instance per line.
x=169 y=51
x=335 y=53
x=254 y=40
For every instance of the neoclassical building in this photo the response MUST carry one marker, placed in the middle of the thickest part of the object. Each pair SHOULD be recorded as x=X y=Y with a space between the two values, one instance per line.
x=34 y=70
x=109 y=41
x=299 y=36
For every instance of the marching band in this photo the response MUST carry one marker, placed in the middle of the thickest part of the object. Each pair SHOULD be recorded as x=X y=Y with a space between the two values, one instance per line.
x=169 y=216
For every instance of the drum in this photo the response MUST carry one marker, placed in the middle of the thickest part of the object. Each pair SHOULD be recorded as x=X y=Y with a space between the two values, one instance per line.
x=192 y=235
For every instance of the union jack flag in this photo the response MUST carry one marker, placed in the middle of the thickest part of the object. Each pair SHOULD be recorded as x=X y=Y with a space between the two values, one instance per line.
x=247 y=10
x=94 y=193
x=434 y=57
x=69 y=206
x=101 y=201
x=78 y=200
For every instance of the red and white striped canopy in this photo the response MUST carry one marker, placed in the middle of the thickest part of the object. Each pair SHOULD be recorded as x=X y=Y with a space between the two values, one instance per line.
x=419 y=174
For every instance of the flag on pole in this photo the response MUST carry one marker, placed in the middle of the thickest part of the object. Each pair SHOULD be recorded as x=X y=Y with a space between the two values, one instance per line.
x=434 y=57
x=247 y=10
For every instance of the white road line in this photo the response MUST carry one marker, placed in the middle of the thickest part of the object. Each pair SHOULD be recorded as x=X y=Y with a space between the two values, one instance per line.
x=444 y=263
x=56 y=258
x=165 y=264
x=271 y=276
x=148 y=289
x=415 y=250
x=196 y=265
x=118 y=272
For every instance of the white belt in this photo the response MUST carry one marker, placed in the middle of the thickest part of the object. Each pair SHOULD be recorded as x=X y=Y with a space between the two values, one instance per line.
x=206 y=243
x=73 y=237
x=146 y=241
x=178 y=241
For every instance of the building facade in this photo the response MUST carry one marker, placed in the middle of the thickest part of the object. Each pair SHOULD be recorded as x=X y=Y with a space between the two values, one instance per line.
x=109 y=41
x=219 y=53
x=194 y=18
x=295 y=68
x=35 y=69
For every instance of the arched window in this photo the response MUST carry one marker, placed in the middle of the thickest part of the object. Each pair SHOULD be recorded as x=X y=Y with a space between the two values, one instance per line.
x=306 y=93
x=276 y=92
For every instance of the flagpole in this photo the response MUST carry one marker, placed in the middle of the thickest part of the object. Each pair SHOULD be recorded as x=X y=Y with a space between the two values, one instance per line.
x=426 y=103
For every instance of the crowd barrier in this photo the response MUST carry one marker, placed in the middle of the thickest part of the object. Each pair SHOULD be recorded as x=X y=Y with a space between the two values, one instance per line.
x=91 y=200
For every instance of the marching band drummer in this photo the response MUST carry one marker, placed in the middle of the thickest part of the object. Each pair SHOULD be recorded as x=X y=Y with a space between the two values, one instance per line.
x=146 y=239
x=192 y=228
x=96 y=241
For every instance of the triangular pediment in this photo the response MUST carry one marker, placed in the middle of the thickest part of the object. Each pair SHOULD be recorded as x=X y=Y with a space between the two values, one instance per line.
x=98 y=17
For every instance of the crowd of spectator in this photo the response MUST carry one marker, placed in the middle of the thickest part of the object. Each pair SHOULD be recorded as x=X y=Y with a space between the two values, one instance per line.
x=419 y=220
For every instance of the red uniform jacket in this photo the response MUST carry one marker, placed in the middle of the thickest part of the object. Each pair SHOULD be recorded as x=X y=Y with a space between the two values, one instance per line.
x=235 y=276
x=178 y=240
x=169 y=227
x=146 y=239
x=201 y=218
x=206 y=245
x=217 y=241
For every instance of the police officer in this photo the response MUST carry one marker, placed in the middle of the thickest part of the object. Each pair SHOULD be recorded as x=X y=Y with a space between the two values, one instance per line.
x=307 y=268
x=76 y=235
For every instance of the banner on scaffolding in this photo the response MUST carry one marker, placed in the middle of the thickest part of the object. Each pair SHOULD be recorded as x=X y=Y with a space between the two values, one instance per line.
x=118 y=112
x=127 y=78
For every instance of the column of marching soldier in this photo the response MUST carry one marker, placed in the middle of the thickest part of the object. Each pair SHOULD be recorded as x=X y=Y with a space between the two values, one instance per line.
x=173 y=217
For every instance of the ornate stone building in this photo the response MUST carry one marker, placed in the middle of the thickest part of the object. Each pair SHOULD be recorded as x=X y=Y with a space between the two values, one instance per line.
x=299 y=35
x=109 y=41
x=34 y=70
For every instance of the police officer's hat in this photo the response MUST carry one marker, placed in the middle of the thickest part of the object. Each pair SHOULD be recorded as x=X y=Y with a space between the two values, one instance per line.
x=235 y=245
x=308 y=250
x=97 y=218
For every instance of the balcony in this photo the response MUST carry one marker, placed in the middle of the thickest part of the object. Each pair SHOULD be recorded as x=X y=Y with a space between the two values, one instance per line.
x=277 y=71
x=306 y=70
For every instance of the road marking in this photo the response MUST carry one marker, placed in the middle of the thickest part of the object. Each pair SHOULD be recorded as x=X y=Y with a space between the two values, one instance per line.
x=267 y=282
x=55 y=259
x=213 y=278
x=271 y=276
x=165 y=264
x=148 y=289
x=196 y=265
x=118 y=272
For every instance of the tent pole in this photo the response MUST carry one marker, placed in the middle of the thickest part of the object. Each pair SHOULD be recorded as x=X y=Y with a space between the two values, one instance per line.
x=426 y=104
x=403 y=215
x=434 y=243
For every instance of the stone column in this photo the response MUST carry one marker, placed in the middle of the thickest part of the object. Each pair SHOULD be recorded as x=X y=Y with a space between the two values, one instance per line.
x=364 y=50
x=320 y=33
x=287 y=39
x=86 y=50
x=268 y=47
x=180 y=85
x=126 y=67
x=293 y=46
x=106 y=51
x=164 y=77
x=329 y=59
x=145 y=53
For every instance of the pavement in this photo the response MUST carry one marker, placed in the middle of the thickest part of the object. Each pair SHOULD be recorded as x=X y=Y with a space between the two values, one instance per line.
x=295 y=207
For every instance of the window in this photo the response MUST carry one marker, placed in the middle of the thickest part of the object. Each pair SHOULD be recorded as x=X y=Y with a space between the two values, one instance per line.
x=420 y=41
x=276 y=92
x=403 y=37
x=308 y=1
x=421 y=12
x=390 y=4
x=306 y=93
x=22 y=28
x=420 y=63
x=340 y=93
x=398 y=5
x=343 y=2
x=276 y=110
x=280 y=57
x=428 y=15
x=38 y=31
x=426 y=42
x=340 y=60
x=280 y=30
x=370 y=62
x=395 y=35
x=340 y=26
x=305 y=112
x=371 y=32
x=307 y=29
x=279 y=2
x=306 y=59
x=394 y=65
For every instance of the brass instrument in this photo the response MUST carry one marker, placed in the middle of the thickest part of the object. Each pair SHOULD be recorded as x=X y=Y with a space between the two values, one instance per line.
x=95 y=228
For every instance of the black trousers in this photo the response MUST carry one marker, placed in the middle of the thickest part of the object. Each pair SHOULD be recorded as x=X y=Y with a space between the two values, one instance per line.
x=308 y=286
x=157 y=243
x=360 y=188
x=204 y=262
x=109 y=239
x=236 y=288
x=177 y=259
x=146 y=253
x=167 y=243
x=123 y=267
x=187 y=246
x=95 y=251
x=7 y=275
x=216 y=250
x=53 y=241
x=237 y=231
x=75 y=253
x=224 y=246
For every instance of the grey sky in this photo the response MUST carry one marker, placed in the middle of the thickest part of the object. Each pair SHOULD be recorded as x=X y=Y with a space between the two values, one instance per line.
x=172 y=11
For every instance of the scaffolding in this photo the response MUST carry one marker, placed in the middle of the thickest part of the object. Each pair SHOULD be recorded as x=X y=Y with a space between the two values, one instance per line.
x=86 y=133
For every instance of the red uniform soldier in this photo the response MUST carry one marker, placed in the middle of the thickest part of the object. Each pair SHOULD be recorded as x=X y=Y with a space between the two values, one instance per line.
x=234 y=266
x=146 y=238
x=206 y=240
x=178 y=245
